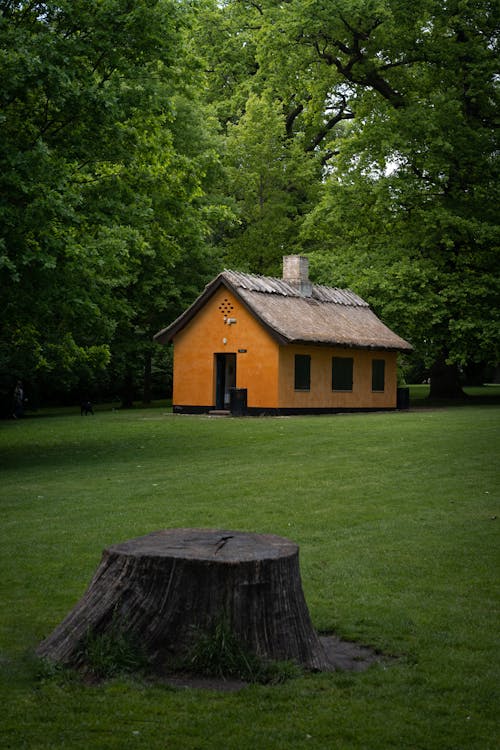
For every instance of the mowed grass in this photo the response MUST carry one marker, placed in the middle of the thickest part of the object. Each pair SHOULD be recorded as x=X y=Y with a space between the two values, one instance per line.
x=397 y=519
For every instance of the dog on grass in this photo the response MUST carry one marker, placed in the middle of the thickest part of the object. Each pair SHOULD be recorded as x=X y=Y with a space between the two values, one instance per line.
x=86 y=408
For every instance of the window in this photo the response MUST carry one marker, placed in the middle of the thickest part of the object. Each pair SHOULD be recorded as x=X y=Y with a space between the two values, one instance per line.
x=342 y=368
x=378 y=374
x=302 y=372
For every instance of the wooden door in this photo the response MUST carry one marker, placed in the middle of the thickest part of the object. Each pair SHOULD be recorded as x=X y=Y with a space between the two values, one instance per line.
x=225 y=379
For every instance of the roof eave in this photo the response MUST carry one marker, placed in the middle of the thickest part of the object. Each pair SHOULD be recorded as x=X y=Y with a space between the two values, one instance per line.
x=406 y=347
x=167 y=334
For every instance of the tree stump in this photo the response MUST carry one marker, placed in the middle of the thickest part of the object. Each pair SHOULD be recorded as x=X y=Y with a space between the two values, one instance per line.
x=165 y=587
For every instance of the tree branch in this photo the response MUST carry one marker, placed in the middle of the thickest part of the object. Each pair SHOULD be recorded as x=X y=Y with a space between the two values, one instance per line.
x=342 y=114
x=358 y=68
x=291 y=117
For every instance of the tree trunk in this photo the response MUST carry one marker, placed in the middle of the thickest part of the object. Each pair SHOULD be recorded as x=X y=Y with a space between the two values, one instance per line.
x=169 y=586
x=128 y=390
x=147 y=379
x=445 y=379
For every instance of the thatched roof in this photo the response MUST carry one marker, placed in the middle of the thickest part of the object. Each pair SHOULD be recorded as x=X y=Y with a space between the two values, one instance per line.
x=328 y=316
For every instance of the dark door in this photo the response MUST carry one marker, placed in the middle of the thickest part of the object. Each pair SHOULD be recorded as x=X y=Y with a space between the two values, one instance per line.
x=225 y=379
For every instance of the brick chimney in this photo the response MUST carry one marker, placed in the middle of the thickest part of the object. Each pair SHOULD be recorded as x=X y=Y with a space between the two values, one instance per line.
x=296 y=273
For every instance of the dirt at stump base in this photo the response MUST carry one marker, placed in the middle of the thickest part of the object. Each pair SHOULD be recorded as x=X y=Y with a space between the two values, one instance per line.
x=343 y=656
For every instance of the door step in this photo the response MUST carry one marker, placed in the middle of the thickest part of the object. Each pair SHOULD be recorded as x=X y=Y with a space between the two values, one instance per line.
x=219 y=413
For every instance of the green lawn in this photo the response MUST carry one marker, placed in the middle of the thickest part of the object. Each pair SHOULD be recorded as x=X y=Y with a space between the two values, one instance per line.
x=482 y=394
x=396 y=518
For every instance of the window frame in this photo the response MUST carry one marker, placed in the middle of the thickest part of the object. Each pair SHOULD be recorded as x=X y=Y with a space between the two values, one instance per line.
x=345 y=383
x=378 y=375
x=302 y=372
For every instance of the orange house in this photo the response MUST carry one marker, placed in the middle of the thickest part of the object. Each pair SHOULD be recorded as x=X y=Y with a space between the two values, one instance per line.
x=254 y=344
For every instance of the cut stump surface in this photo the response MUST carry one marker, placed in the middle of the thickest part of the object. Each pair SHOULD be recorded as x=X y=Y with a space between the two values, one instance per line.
x=165 y=588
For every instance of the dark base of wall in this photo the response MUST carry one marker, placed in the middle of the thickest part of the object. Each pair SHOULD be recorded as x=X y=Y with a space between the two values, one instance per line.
x=271 y=412
x=191 y=409
x=325 y=410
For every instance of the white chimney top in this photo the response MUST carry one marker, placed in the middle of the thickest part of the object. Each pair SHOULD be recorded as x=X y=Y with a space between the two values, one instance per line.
x=296 y=272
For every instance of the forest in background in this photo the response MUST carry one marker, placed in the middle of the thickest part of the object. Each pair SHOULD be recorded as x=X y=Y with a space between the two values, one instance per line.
x=148 y=144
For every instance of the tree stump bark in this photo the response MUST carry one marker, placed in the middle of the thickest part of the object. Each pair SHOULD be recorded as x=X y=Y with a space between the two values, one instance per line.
x=165 y=587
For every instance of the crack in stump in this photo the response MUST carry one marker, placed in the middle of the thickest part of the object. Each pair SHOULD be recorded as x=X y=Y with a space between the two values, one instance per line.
x=222 y=542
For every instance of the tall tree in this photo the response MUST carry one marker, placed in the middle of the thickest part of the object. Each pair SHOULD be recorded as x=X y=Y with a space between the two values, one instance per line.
x=271 y=174
x=272 y=184
x=96 y=177
x=397 y=100
x=174 y=168
x=423 y=153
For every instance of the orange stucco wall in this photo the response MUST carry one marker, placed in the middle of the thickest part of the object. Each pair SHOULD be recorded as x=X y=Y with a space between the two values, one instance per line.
x=207 y=334
x=321 y=395
x=265 y=368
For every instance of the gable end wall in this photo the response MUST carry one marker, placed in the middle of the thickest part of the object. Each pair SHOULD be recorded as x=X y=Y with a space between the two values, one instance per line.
x=195 y=347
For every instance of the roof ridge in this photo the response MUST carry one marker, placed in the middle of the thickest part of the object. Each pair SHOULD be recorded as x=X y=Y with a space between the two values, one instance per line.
x=273 y=285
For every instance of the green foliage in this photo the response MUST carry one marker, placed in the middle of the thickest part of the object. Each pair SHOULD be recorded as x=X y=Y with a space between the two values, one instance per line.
x=49 y=671
x=272 y=185
x=216 y=652
x=112 y=652
x=147 y=144
x=408 y=210
x=271 y=173
x=434 y=298
x=370 y=143
x=103 y=162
